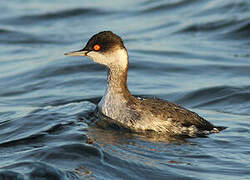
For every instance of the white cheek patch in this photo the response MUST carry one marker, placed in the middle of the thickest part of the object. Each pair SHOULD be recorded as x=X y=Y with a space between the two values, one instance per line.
x=121 y=57
x=117 y=57
x=97 y=57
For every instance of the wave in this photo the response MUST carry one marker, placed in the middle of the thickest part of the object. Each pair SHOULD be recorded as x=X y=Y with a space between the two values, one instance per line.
x=205 y=27
x=229 y=28
x=66 y=13
x=5 y=31
x=37 y=18
x=240 y=30
x=235 y=100
x=8 y=36
x=222 y=28
x=168 y=6
x=35 y=170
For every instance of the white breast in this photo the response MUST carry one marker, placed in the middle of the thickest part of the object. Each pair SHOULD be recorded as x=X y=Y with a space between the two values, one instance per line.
x=111 y=104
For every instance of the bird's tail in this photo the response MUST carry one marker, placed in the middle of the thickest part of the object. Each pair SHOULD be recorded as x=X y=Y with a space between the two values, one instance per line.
x=218 y=128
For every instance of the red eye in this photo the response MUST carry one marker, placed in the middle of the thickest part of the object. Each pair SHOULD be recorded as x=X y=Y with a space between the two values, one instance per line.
x=96 y=47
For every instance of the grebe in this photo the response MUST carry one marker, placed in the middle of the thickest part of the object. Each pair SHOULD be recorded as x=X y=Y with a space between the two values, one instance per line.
x=133 y=113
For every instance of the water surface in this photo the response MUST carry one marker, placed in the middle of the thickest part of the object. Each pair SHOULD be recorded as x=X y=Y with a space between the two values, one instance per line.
x=192 y=52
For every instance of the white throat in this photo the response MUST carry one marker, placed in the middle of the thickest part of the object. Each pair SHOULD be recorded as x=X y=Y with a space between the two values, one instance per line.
x=116 y=91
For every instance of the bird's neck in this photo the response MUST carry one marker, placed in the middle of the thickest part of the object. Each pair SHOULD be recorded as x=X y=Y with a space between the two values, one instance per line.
x=117 y=93
x=117 y=81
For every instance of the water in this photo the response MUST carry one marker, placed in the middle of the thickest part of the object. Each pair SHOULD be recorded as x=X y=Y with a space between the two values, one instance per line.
x=194 y=53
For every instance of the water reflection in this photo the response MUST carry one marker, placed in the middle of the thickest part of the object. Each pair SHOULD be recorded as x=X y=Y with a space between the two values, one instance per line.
x=115 y=136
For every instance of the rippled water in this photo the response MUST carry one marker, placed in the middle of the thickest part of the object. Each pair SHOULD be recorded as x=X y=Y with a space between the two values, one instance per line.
x=192 y=52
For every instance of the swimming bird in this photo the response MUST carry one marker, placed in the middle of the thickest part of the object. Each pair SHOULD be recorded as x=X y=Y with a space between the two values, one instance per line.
x=134 y=113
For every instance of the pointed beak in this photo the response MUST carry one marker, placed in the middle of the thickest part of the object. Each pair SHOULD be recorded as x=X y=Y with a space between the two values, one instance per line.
x=77 y=53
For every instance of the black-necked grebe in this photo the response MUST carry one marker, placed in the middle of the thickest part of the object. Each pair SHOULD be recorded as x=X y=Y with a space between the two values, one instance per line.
x=133 y=113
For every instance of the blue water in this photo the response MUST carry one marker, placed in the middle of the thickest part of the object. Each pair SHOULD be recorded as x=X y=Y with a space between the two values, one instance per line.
x=193 y=52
